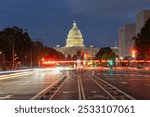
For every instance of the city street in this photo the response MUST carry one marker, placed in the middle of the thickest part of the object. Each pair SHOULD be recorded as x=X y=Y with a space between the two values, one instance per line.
x=26 y=85
x=76 y=85
x=135 y=83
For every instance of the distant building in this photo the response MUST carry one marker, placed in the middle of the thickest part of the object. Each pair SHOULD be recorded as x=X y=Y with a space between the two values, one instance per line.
x=141 y=19
x=126 y=33
x=74 y=38
x=75 y=43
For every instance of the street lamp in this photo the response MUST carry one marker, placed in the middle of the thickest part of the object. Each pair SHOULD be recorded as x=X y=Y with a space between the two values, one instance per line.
x=121 y=58
x=116 y=61
x=31 y=61
x=133 y=53
x=13 y=50
x=1 y=59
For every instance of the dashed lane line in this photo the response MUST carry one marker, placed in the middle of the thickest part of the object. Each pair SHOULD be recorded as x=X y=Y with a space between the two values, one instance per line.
x=6 y=97
x=147 y=85
x=79 y=90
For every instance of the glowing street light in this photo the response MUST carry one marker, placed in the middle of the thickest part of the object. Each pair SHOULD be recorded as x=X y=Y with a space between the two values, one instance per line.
x=121 y=58
x=133 y=53
x=85 y=56
x=42 y=59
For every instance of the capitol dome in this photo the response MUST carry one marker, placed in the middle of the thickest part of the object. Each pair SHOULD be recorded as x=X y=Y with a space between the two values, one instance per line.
x=74 y=38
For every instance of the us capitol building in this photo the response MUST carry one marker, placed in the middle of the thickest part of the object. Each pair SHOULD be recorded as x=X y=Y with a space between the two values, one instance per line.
x=75 y=43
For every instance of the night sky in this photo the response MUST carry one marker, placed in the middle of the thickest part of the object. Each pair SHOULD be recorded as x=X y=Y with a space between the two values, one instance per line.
x=50 y=20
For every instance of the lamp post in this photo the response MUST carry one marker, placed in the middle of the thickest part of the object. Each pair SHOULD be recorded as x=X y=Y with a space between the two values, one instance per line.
x=121 y=58
x=116 y=63
x=133 y=54
x=13 y=50
x=1 y=61
x=31 y=61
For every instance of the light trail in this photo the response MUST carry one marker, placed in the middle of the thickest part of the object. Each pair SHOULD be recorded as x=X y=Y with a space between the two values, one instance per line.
x=4 y=77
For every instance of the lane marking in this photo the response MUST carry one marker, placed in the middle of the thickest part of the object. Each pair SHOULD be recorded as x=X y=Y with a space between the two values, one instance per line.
x=82 y=90
x=68 y=92
x=41 y=92
x=124 y=82
x=139 y=75
x=132 y=74
x=125 y=75
x=135 y=79
x=79 y=89
x=103 y=89
x=93 y=91
x=115 y=88
x=147 y=85
x=6 y=97
x=58 y=89
x=147 y=75
x=117 y=74
x=99 y=97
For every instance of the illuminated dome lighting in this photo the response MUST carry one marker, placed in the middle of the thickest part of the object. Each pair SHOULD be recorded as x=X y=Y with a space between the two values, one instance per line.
x=74 y=38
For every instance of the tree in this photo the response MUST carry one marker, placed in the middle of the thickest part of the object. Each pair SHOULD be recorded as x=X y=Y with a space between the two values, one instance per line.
x=105 y=54
x=142 y=42
x=74 y=57
x=40 y=51
x=26 y=51
x=37 y=52
x=69 y=57
x=21 y=41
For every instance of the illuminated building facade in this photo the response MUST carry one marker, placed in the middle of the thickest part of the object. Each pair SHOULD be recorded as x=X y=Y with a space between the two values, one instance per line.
x=75 y=43
x=74 y=37
x=126 y=43
x=128 y=31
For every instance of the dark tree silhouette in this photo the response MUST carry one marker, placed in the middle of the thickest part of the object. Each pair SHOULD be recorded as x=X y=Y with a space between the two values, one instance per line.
x=26 y=51
x=142 y=42
x=105 y=54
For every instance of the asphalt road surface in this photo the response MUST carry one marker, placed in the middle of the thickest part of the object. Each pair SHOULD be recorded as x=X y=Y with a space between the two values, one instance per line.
x=76 y=85
x=135 y=83
x=27 y=84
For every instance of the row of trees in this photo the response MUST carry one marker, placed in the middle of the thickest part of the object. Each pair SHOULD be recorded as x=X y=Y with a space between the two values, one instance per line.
x=26 y=51
x=105 y=53
x=78 y=55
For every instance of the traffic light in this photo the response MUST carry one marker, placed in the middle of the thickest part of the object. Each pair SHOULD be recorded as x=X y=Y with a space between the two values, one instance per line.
x=111 y=63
